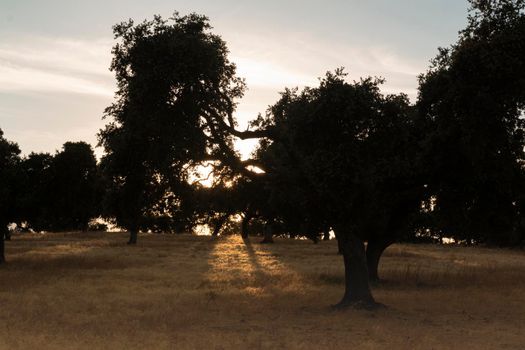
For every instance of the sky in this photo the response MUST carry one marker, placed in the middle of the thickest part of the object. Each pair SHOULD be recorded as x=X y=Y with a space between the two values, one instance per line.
x=55 y=54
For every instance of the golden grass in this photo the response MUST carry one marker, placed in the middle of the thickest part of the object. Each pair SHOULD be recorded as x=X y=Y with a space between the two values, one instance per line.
x=90 y=290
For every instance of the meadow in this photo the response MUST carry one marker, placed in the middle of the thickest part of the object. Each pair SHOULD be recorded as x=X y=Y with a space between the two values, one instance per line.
x=91 y=290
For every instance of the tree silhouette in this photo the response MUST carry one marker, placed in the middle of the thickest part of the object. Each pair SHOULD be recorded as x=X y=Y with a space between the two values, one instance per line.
x=74 y=192
x=34 y=198
x=472 y=99
x=60 y=192
x=9 y=161
x=175 y=88
x=346 y=149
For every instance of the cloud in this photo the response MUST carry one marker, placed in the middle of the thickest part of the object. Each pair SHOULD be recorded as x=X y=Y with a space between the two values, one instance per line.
x=273 y=60
x=26 y=79
x=56 y=65
x=269 y=75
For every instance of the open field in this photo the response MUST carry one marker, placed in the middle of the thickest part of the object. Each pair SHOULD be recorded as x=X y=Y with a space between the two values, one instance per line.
x=90 y=290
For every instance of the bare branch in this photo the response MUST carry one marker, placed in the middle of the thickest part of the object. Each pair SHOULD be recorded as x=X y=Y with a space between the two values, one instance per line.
x=243 y=135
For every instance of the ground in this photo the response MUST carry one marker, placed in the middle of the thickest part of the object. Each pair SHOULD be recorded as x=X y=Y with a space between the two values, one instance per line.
x=91 y=290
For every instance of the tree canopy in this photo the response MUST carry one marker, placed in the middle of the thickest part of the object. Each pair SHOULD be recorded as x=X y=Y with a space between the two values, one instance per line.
x=60 y=192
x=176 y=86
x=343 y=157
x=473 y=99
x=9 y=159
x=74 y=187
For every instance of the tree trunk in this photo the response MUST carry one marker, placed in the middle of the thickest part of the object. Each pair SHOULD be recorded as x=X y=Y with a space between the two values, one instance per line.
x=339 y=247
x=3 y=232
x=220 y=222
x=244 y=225
x=339 y=243
x=133 y=236
x=2 y=249
x=268 y=233
x=357 y=288
x=374 y=250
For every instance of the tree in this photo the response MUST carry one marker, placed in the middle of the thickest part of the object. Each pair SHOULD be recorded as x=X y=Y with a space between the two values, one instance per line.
x=9 y=161
x=60 y=192
x=472 y=100
x=347 y=149
x=176 y=88
x=34 y=197
x=74 y=188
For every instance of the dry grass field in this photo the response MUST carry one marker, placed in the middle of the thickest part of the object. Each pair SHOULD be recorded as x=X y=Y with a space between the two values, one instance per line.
x=90 y=291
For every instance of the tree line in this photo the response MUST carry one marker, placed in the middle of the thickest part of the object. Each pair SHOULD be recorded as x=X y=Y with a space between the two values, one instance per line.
x=340 y=157
x=45 y=192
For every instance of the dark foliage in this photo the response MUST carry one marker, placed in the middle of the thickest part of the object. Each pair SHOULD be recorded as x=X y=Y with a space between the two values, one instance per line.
x=74 y=188
x=35 y=197
x=60 y=192
x=9 y=160
x=175 y=86
x=472 y=100
x=344 y=157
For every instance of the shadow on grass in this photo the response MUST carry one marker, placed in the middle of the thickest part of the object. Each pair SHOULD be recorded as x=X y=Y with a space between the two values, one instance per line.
x=260 y=274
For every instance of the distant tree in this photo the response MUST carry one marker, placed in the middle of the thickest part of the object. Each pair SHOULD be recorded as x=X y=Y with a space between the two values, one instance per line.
x=472 y=100
x=175 y=87
x=34 y=197
x=9 y=161
x=74 y=188
x=60 y=192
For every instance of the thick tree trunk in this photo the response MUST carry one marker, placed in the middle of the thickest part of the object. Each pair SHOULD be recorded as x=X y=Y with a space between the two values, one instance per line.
x=268 y=233
x=357 y=287
x=374 y=250
x=133 y=236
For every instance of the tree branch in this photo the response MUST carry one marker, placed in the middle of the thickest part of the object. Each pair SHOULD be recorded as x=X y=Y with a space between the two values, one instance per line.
x=243 y=135
x=229 y=157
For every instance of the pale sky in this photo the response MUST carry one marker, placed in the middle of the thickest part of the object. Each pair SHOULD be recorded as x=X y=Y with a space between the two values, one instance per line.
x=55 y=54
